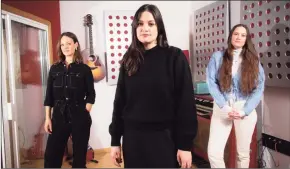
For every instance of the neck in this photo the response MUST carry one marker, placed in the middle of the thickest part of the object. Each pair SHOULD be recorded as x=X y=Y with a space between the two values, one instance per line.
x=69 y=59
x=150 y=45
x=237 y=51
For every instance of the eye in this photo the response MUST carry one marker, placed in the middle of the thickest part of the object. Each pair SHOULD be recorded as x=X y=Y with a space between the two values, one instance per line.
x=151 y=24
x=140 y=24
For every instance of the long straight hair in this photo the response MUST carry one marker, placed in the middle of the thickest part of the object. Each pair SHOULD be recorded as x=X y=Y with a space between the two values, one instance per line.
x=249 y=65
x=134 y=55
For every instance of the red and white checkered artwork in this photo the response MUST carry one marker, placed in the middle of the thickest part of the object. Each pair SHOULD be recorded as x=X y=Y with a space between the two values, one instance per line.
x=118 y=36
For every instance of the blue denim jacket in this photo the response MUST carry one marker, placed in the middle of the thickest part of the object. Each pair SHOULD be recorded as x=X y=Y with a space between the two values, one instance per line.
x=222 y=98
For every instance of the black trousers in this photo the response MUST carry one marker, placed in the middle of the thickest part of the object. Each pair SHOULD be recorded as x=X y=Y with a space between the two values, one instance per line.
x=149 y=149
x=68 y=120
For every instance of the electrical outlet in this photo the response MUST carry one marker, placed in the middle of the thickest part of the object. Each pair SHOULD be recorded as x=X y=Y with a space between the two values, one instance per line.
x=276 y=144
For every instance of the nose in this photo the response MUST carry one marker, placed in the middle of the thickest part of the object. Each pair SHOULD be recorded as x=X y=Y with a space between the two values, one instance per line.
x=145 y=27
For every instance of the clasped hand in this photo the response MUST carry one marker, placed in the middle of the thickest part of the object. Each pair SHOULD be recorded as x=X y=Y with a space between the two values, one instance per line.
x=235 y=115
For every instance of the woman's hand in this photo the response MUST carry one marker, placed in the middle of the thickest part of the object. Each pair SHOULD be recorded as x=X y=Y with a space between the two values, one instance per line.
x=184 y=158
x=48 y=126
x=89 y=107
x=235 y=115
x=116 y=155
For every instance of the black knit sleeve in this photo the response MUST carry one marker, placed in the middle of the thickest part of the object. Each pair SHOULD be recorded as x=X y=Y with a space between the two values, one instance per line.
x=186 y=117
x=116 y=127
x=49 y=99
x=89 y=81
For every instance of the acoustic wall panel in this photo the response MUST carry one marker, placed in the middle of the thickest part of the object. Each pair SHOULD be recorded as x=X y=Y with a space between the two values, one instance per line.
x=269 y=24
x=211 y=28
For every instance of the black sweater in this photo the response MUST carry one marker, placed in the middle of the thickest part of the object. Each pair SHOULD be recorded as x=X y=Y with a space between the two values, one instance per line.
x=159 y=95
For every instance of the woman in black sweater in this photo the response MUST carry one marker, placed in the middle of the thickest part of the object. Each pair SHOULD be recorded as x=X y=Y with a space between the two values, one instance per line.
x=154 y=106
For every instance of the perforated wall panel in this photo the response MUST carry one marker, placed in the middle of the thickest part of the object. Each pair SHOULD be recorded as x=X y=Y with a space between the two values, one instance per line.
x=269 y=24
x=211 y=27
x=118 y=39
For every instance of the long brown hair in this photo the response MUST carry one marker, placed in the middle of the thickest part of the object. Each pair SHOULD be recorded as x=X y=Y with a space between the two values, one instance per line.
x=249 y=65
x=77 y=55
x=134 y=55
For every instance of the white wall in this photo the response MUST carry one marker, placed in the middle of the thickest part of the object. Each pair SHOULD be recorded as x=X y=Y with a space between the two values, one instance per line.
x=176 y=16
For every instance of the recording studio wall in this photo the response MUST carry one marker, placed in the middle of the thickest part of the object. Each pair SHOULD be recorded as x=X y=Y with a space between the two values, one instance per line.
x=118 y=38
x=269 y=23
x=211 y=28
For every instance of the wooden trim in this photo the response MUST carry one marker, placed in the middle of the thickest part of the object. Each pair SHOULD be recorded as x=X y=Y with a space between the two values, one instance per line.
x=50 y=44
x=34 y=18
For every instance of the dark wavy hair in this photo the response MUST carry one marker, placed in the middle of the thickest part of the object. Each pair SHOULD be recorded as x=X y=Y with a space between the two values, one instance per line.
x=134 y=55
x=249 y=65
x=77 y=55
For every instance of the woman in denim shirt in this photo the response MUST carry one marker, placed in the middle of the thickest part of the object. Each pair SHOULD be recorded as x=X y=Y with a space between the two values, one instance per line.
x=235 y=80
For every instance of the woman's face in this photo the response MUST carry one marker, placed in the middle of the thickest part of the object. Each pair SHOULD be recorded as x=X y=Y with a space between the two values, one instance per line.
x=147 y=29
x=67 y=45
x=239 y=37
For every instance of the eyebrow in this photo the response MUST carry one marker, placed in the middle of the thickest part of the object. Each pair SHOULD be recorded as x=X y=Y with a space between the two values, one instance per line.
x=148 y=21
x=64 y=42
x=239 y=33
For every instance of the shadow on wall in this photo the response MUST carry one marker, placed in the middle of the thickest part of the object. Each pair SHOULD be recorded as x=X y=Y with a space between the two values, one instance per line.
x=276 y=59
x=276 y=63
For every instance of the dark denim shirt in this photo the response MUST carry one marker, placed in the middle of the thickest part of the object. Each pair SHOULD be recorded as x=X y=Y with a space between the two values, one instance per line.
x=74 y=84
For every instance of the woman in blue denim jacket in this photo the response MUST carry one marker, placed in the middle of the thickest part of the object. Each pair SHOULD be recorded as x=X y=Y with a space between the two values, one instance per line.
x=235 y=80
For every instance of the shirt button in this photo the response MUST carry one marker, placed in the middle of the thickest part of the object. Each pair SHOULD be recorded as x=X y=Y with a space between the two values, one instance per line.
x=65 y=86
x=66 y=75
x=66 y=98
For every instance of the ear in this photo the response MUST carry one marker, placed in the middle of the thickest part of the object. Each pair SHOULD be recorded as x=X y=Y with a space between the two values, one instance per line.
x=76 y=45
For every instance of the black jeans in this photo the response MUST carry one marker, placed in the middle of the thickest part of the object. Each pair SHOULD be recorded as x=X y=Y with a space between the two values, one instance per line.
x=68 y=120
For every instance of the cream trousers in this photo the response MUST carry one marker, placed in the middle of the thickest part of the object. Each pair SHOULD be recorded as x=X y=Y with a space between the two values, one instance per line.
x=220 y=128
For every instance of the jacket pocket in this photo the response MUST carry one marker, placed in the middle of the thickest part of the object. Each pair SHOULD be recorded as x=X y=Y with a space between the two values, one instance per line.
x=58 y=79
x=74 y=80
